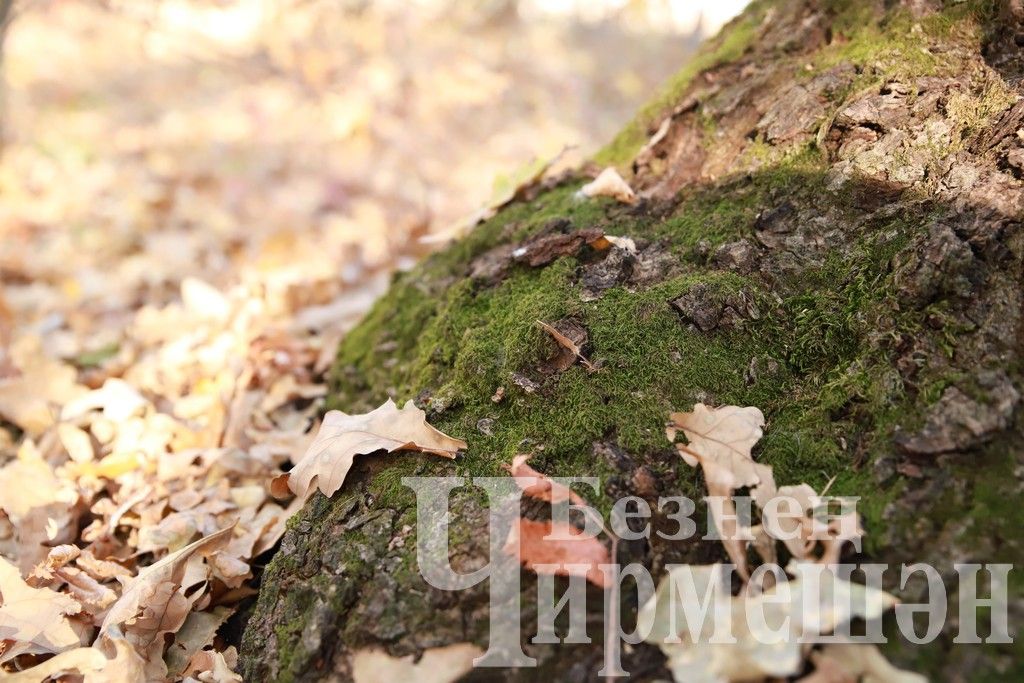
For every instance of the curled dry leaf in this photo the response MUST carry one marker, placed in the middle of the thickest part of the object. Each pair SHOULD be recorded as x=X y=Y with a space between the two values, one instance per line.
x=87 y=661
x=569 y=553
x=816 y=601
x=609 y=184
x=720 y=441
x=125 y=665
x=795 y=520
x=36 y=619
x=55 y=559
x=437 y=665
x=145 y=605
x=542 y=488
x=342 y=437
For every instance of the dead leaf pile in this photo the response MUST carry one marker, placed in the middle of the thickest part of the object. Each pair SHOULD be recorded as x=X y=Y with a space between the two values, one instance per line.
x=720 y=441
x=173 y=439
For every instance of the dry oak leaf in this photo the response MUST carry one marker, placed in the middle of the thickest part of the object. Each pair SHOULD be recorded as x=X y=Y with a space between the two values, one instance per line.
x=34 y=618
x=609 y=184
x=796 y=524
x=124 y=665
x=568 y=553
x=148 y=606
x=17 y=499
x=84 y=660
x=342 y=437
x=801 y=531
x=720 y=441
x=541 y=487
x=196 y=633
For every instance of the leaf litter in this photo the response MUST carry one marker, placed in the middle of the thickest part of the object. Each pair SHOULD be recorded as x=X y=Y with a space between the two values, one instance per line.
x=150 y=431
x=176 y=275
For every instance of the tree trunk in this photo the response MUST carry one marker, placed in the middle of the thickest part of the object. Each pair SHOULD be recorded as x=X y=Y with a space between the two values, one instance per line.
x=830 y=230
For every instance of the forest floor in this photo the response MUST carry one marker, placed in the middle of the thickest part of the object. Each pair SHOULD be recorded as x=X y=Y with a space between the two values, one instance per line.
x=197 y=204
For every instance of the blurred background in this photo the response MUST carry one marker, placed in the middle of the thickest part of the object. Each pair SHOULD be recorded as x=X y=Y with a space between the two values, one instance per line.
x=199 y=198
x=145 y=142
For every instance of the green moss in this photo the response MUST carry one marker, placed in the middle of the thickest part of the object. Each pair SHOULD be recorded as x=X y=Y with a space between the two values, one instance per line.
x=461 y=344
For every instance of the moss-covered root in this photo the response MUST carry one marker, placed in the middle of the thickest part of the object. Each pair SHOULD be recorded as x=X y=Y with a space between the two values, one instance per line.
x=831 y=232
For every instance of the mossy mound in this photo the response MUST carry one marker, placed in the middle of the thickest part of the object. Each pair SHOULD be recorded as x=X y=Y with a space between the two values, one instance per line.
x=831 y=233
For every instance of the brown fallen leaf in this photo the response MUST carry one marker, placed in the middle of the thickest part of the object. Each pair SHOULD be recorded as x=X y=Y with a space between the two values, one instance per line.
x=827 y=670
x=841 y=662
x=17 y=499
x=151 y=604
x=567 y=344
x=437 y=665
x=210 y=666
x=720 y=441
x=94 y=596
x=76 y=442
x=124 y=664
x=117 y=400
x=36 y=619
x=815 y=601
x=609 y=184
x=794 y=522
x=542 y=489
x=84 y=660
x=798 y=519
x=30 y=399
x=573 y=552
x=55 y=559
x=841 y=529
x=102 y=570
x=195 y=634
x=342 y=437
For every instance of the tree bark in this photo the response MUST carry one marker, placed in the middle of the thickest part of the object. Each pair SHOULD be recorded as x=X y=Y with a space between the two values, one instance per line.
x=829 y=229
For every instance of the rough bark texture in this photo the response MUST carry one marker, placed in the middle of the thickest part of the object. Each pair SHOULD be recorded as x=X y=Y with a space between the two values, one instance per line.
x=831 y=231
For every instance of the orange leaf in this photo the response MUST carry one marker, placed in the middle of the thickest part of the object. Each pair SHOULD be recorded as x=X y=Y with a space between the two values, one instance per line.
x=582 y=554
